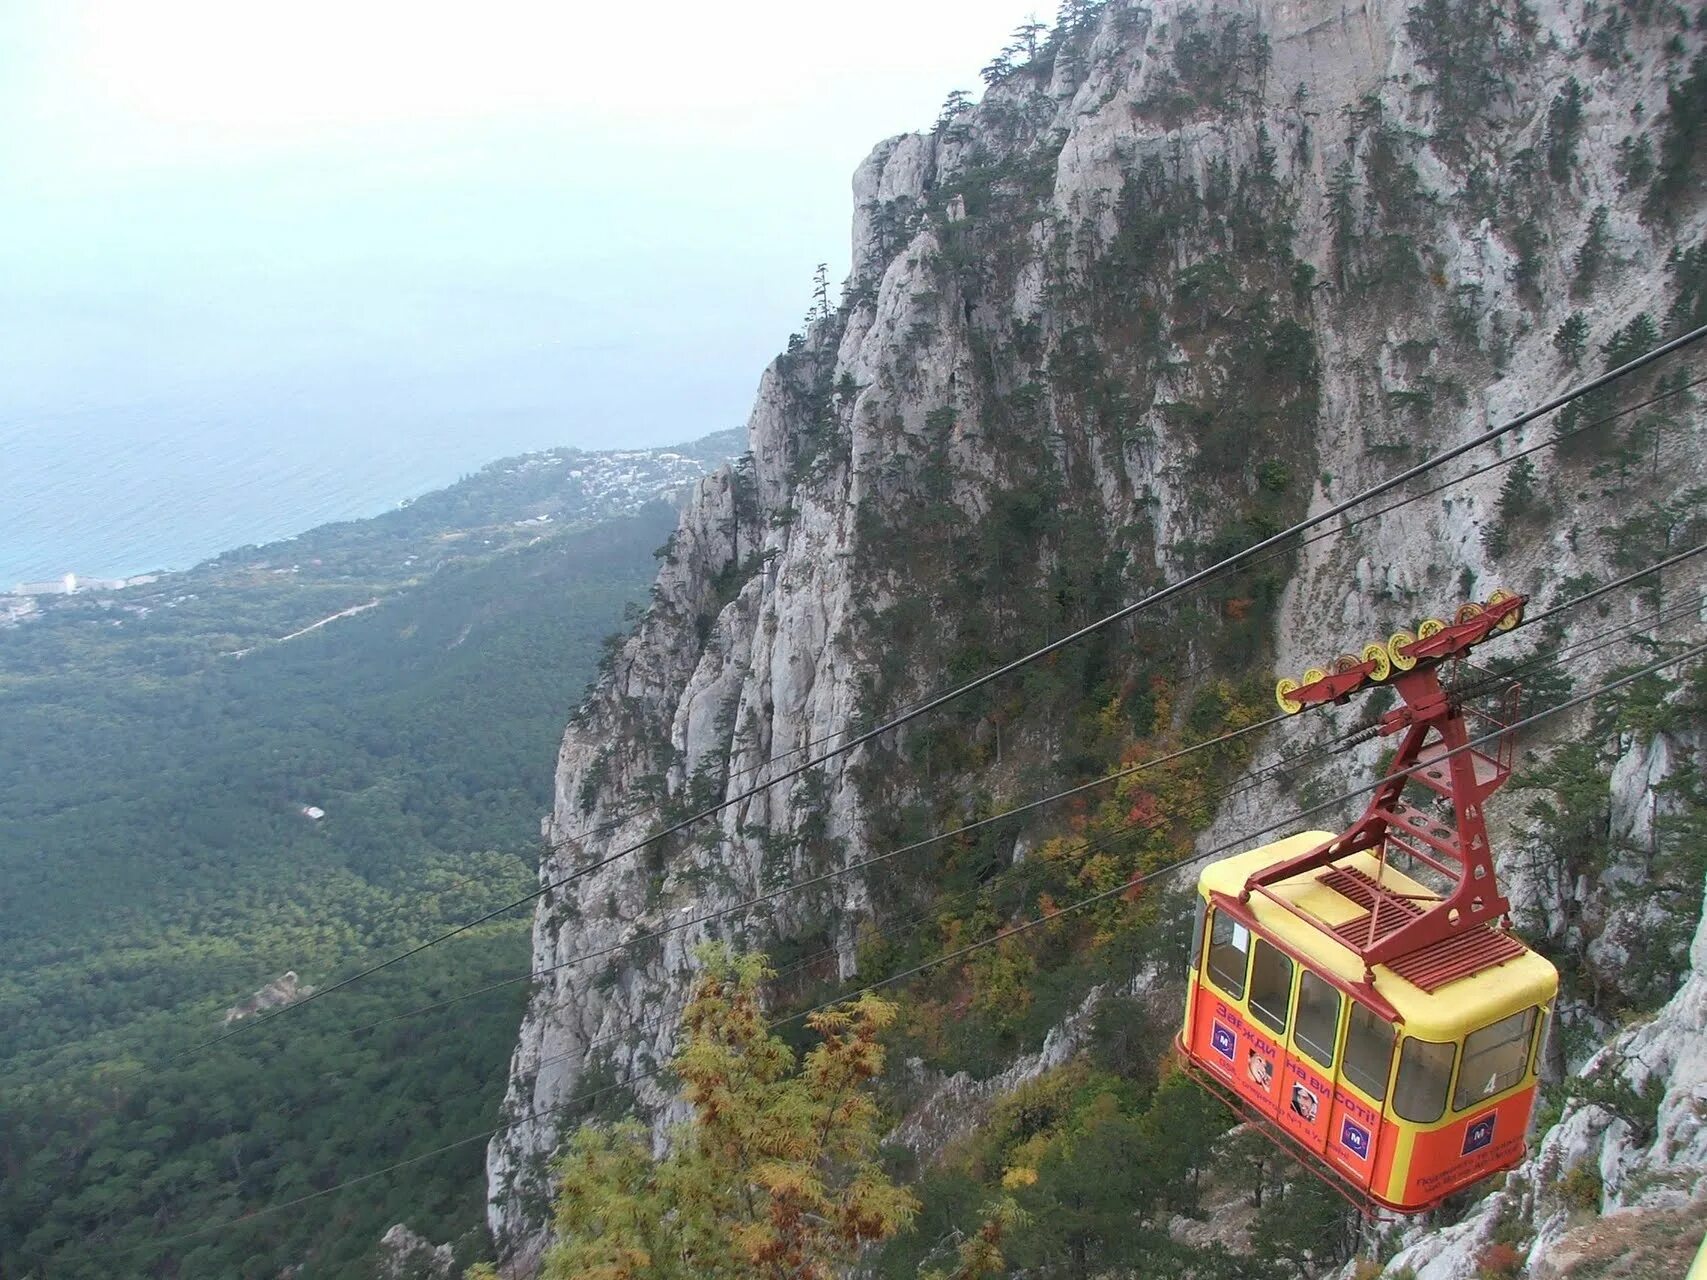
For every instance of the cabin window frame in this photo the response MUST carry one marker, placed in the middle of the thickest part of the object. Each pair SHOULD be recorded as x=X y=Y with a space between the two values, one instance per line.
x=1462 y=1102
x=1309 y=1047
x=1437 y=1079
x=1546 y=1025
x=1237 y=927
x=1198 y=929
x=1261 y=950
x=1363 y=992
x=1377 y=1095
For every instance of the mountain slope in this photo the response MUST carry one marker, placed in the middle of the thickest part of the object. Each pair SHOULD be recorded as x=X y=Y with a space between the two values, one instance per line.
x=1184 y=274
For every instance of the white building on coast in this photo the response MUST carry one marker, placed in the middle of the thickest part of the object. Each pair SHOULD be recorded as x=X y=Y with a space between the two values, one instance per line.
x=71 y=584
x=56 y=587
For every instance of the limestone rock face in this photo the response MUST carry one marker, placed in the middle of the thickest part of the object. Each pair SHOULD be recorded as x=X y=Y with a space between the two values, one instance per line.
x=405 y=1255
x=1192 y=273
x=285 y=989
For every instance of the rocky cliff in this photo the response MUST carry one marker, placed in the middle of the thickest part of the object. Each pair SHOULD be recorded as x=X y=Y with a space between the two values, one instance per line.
x=1184 y=273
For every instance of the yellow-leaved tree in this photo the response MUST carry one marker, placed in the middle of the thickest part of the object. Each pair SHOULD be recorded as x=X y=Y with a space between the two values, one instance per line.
x=775 y=1176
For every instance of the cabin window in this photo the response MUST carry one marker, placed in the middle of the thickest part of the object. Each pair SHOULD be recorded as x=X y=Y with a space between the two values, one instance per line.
x=1229 y=949
x=1425 y=1069
x=1495 y=1058
x=1197 y=935
x=1541 y=1040
x=1271 y=987
x=1368 y=1051
x=1318 y=1020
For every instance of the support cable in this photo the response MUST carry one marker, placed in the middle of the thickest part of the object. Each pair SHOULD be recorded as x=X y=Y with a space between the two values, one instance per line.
x=1292 y=820
x=1551 y=442
x=825 y=877
x=1496 y=464
x=1227 y=564
x=1261 y=773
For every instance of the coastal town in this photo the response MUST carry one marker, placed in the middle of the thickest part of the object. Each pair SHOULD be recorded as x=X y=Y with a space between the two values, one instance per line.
x=21 y=601
x=513 y=502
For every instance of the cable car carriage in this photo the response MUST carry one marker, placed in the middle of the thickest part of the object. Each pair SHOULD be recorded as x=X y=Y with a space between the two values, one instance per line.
x=1383 y=1025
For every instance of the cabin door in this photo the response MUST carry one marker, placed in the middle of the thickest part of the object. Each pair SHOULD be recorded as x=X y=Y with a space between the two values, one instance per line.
x=1270 y=1005
x=1306 y=1094
x=1356 y=1131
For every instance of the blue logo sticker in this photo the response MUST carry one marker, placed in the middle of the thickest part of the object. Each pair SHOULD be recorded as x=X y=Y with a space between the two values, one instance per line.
x=1354 y=1138
x=1479 y=1134
x=1224 y=1041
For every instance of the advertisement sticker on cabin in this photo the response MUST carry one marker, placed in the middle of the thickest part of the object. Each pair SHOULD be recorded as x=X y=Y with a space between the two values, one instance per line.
x=1479 y=1133
x=1354 y=1138
x=1224 y=1041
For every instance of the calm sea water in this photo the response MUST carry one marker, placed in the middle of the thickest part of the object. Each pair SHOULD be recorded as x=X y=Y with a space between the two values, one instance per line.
x=111 y=490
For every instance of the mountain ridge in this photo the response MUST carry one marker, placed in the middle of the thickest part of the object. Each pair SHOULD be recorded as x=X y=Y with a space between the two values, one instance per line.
x=1184 y=274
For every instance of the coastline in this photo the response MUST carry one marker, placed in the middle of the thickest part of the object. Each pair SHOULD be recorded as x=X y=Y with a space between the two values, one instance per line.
x=30 y=568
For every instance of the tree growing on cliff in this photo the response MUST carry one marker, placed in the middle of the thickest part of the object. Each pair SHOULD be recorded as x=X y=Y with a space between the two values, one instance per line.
x=821 y=292
x=980 y=1256
x=774 y=1177
x=954 y=106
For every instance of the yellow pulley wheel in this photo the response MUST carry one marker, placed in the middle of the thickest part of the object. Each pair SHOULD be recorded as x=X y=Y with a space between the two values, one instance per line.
x=1375 y=653
x=1397 y=643
x=1283 y=691
x=1506 y=623
x=1314 y=674
x=1429 y=627
x=1466 y=611
x=1345 y=662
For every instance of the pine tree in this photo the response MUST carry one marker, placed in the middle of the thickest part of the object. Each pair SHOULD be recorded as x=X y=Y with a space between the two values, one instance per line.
x=774 y=1178
x=821 y=290
x=1570 y=338
x=980 y=1256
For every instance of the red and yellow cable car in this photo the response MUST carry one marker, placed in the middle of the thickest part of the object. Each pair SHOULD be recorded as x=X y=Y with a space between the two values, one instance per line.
x=1381 y=1024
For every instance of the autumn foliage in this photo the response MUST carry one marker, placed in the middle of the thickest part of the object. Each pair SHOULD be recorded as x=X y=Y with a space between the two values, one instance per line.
x=774 y=1176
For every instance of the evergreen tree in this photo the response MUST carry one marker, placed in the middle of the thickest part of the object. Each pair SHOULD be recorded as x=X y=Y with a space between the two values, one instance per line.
x=981 y=1255
x=774 y=1178
x=1570 y=338
x=1023 y=42
x=821 y=290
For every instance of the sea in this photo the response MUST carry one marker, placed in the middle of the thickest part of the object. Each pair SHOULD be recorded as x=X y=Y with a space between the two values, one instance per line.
x=109 y=490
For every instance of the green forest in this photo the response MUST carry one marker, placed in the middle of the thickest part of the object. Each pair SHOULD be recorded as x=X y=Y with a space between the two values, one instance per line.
x=163 y=747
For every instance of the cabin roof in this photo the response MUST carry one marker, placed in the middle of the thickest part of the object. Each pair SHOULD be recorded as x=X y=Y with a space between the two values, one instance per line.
x=1453 y=1008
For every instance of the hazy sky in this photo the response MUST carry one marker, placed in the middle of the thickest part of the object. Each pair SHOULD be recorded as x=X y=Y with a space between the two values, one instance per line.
x=585 y=224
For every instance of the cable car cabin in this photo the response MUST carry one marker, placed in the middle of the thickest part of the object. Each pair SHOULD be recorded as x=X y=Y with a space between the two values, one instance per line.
x=1407 y=1094
x=1384 y=1030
